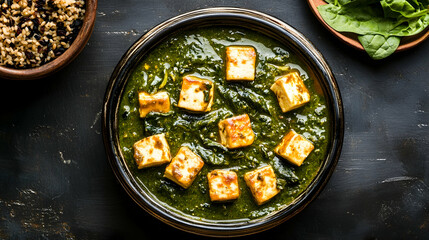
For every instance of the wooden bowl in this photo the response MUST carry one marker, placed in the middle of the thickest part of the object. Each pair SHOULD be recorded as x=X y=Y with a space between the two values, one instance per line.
x=65 y=58
x=352 y=39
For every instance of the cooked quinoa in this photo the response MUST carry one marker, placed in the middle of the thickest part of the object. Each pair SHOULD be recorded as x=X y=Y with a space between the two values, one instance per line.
x=34 y=32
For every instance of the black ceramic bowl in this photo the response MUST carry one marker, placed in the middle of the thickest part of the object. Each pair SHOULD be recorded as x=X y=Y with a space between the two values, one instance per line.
x=255 y=21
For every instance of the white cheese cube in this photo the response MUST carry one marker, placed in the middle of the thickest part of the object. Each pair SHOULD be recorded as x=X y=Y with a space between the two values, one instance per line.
x=236 y=132
x=151 y=151
x=262 y=183
x=184 y=167
x=223 y=185
x=290 y=91
x=240 y=63
x=196 y=94
x=158 y=102
x=294 y=147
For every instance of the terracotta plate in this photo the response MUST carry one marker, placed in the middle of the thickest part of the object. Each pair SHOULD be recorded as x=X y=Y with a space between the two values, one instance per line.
x=351 y=38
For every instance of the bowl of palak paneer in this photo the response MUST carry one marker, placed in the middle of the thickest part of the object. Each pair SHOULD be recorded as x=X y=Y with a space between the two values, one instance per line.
x=223 y=122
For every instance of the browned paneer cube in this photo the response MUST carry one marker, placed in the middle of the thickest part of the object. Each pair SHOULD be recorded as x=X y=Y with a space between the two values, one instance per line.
x=236 y=132
x=197 y=94
x=290 y=91
x=158 y=102
x=294 y=147
x=223 y=185
x=262 y=183
x=151 y=151
x=184 y=167
x=240 y=63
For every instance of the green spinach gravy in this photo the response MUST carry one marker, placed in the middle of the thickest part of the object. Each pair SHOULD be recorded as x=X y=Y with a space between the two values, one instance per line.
x=201 y=52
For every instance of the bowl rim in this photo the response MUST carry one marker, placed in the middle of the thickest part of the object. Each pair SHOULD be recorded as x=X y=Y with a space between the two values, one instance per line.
x=157 y=34
x=64 y=59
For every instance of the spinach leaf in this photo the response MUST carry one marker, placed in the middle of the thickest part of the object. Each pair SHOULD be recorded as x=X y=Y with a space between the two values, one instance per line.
x=253 y=99
x=212 y=144
x=403 y=8
x=409 y=26
x=378 y=24
x=378 y=46
x=360 y=20
x=283 y=171
x=212 y=118
x=232 y=98
x=395 y=9
x=208 y=155
x=356 y=2
x=335 y=2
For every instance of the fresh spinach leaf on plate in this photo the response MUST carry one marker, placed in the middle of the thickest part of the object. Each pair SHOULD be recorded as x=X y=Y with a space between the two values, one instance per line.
x=379 y=24
x=378 y=46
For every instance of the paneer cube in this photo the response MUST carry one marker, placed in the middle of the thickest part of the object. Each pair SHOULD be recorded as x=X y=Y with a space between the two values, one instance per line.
x=290 y=91
x=184 y=167
x=240 y=63
x=262 y=183
x=158 y=102
x=151 y=151
x=236 y=132
x=197 y=94
x=223 y=185
x=294 y=147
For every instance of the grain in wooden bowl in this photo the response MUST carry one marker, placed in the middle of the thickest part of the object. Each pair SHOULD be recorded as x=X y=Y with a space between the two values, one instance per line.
x=38 y=38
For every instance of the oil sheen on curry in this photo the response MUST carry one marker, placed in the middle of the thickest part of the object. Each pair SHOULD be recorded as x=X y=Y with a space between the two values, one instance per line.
x=223 y=123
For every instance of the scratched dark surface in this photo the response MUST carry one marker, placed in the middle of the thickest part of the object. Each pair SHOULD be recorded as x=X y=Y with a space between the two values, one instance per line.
x=55 y=181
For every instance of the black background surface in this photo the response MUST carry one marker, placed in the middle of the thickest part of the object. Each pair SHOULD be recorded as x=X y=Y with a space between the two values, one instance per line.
x=56 y=183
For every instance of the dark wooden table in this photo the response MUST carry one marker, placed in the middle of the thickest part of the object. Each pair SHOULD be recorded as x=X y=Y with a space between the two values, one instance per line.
x=56 y=183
